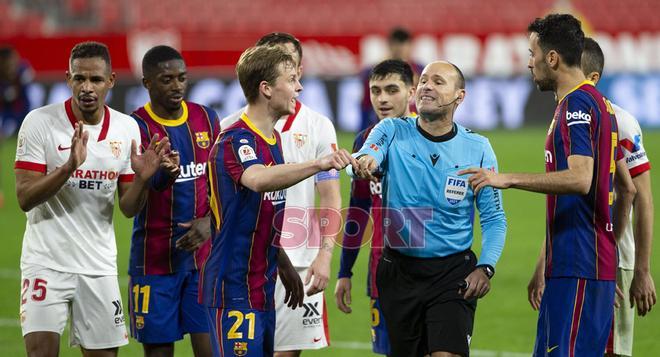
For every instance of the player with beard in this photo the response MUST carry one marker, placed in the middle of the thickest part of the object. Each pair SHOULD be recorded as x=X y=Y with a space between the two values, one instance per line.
x=581 y=153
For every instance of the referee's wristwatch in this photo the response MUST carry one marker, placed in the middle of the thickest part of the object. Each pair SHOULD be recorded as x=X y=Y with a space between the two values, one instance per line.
x=488 y=270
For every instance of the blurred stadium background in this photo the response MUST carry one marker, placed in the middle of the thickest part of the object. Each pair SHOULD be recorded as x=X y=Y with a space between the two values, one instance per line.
x=341 y=38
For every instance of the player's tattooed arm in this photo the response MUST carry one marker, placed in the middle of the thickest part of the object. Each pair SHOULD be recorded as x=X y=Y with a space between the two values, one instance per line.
x=295 y=291
x=330 y=223
x=34 y=188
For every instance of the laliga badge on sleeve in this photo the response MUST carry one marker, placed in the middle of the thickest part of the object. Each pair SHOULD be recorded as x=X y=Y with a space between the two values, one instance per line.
x=246 y=153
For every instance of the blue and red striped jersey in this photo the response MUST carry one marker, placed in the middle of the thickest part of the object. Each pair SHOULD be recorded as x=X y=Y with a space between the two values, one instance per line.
x=366 y=202
x=241 y=270
x=172 y=201
x=579 y=234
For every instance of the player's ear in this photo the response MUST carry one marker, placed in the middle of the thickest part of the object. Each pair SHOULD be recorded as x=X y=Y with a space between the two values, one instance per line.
x=112 y=79
x=411 y=92
x=461 y=96
x=265 y=89
x=552 y=59
x=67 y=75
x=146 y=83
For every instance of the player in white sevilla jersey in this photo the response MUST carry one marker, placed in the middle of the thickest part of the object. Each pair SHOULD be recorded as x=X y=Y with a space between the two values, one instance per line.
x=307 y=233
x=71 y=158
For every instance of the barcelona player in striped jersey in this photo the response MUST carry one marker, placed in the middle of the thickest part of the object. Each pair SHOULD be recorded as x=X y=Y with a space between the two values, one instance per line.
x=248 y=179
x=171 y=234
x=390 y=88
x=633 y=276
x=580 y=153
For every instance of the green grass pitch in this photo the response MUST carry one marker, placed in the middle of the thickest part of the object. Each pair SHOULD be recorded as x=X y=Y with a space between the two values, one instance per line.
x=504 y=320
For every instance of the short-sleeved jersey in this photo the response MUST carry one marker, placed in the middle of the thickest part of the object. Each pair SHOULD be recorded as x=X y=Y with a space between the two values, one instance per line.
x=72 y=231
x=366 y=203
x=632 y=147
x=241 y=270
x=579 y=233
x=429 y=208
x=156 y=228
x=306 y=135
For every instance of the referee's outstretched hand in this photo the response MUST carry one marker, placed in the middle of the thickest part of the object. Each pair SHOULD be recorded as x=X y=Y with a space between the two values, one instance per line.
x=478 y=285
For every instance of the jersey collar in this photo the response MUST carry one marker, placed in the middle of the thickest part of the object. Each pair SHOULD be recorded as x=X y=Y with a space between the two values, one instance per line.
x=586 y=81
x=291 y=118
x=168 y=122
x=105 y=125
x=271 y=141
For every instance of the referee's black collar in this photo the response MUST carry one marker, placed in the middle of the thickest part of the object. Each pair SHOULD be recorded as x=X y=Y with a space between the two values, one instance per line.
x=438 y=139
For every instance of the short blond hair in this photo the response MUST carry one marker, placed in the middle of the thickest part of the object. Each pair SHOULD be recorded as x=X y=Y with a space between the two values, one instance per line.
x=260 y=63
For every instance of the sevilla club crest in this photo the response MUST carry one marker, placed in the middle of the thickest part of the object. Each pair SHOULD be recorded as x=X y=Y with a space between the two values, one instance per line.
x=115 y=147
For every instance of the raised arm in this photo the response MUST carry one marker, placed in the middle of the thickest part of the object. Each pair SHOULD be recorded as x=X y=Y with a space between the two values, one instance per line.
x=33 y=185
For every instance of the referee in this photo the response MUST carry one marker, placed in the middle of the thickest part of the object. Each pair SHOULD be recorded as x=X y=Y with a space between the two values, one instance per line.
x=429 y=279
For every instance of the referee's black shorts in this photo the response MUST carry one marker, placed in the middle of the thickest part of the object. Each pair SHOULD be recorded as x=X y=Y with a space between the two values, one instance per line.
x=421 y=303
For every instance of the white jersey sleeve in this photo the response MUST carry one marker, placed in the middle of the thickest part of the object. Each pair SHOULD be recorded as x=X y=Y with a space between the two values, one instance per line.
x=630 y=141
x=31 y=144
x=232 y=118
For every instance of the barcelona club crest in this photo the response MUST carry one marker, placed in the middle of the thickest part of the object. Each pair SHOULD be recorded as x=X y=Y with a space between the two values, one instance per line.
x=202 y=138
x=115 y=147
x=299 y=139
x=240 y=348
x=139 y=322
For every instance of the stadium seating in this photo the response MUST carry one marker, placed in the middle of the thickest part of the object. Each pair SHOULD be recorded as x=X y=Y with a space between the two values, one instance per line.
x=317 y=17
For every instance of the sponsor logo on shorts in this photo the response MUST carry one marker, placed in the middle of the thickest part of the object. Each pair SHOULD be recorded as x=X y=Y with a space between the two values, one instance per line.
x=550 y=349
x=240 y=348
x=119 y=313
x=23 y=317
x=311 y=316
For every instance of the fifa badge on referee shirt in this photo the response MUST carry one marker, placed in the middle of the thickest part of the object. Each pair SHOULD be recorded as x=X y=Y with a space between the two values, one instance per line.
x=240 y=348
x=455 y=189
x=202 y=138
